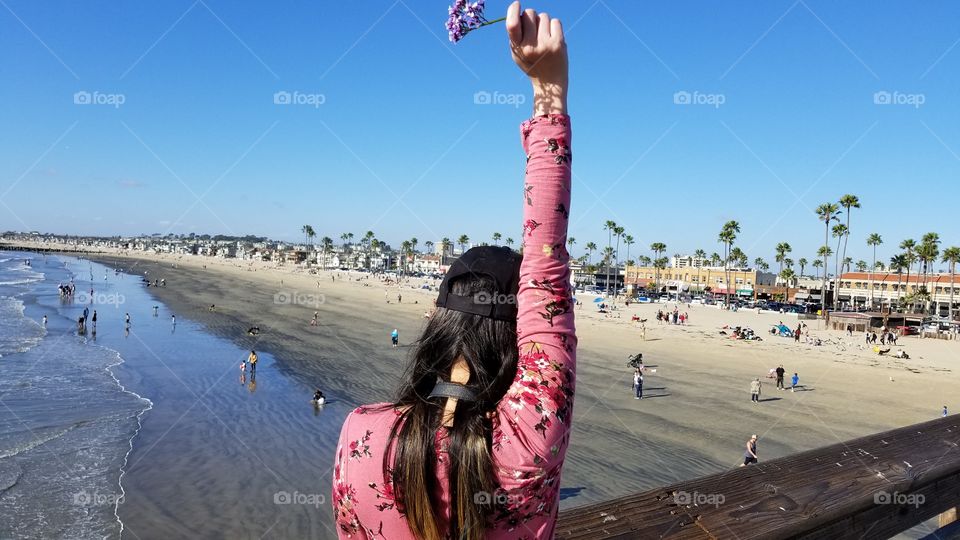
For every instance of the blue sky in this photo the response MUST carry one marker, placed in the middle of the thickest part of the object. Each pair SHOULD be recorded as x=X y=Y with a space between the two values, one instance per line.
x=398 y=144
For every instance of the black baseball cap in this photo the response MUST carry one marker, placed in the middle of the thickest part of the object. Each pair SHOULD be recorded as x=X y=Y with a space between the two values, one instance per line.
x=502 y=266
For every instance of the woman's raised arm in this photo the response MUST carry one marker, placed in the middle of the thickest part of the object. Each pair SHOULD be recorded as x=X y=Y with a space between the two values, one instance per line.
x=534 y=417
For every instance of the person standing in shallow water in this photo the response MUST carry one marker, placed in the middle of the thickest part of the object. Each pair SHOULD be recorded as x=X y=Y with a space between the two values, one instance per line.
x=475 y=444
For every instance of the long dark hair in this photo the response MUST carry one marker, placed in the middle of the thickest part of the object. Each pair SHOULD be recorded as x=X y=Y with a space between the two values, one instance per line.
x=489 y=348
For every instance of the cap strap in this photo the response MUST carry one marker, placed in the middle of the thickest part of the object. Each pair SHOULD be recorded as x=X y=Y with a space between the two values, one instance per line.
x=453 y=390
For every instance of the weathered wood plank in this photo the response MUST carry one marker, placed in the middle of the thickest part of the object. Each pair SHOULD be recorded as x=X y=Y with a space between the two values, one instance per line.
x=871 y=487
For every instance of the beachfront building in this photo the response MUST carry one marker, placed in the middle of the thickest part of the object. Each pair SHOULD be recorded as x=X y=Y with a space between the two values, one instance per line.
x=887 y=288
x=694 y=279
x=688 y=261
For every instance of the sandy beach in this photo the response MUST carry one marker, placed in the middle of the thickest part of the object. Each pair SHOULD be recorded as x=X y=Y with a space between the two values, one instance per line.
x=698 y=414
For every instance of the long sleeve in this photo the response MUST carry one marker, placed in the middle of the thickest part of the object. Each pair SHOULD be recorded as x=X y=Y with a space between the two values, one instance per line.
x=533 y=427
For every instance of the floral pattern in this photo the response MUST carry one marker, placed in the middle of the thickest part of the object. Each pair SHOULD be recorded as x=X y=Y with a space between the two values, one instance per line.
x=531 y=427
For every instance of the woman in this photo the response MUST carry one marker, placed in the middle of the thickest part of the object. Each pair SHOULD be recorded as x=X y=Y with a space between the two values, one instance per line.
x=474 y=445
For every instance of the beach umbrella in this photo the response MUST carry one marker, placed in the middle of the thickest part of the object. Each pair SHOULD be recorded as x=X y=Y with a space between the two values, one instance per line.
x=598 y=299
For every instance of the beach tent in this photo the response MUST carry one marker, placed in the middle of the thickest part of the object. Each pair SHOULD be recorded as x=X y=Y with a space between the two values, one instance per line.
x=785 y=330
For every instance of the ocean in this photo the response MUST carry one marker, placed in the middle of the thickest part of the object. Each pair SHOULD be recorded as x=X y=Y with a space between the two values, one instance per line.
x=148 y=430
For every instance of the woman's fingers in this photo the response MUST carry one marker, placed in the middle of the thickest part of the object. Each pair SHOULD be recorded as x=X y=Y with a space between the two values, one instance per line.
x=543 y=28
x=514 y=27
x=530 y=27
x=556 y=30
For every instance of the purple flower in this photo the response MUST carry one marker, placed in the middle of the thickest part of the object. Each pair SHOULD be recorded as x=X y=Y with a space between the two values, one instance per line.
x=465 y=16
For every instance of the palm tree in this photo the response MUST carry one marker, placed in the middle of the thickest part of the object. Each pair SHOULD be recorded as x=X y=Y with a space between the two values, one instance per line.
x=628 y=241
x=496 y=238
x=618 y=232
x=909 y=246
x=897 y=264
x=715 y=259
x=847 y=262
x=803 y=264
x=951 y=255
x=463 y=241
x=326 y=244
x=308 y=233
x=839 y=232
x=873 y=241
x=848 y=202
x=827 y=213
x=699 y=256
x=782 y=249
x=657 y=248
x=727 y=236
x=609 y=226
x=928 y=252
x=508 y=242
x=404 y=249
x=825 y=252
x=818 y=264
x=591 y=247
x=787 y=275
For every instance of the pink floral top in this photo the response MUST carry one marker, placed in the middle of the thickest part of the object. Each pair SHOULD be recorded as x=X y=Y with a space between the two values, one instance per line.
x=532 y=424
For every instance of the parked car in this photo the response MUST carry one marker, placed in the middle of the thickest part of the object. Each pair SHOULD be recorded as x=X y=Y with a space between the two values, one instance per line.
x=907 y=330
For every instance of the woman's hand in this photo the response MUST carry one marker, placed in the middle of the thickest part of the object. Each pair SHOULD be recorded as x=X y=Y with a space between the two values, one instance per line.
x=538 y=48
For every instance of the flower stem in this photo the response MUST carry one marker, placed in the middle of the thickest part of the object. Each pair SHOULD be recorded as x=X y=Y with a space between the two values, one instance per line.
x=488 y=23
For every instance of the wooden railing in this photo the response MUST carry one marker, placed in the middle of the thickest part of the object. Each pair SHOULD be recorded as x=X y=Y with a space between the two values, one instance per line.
x=868 y=488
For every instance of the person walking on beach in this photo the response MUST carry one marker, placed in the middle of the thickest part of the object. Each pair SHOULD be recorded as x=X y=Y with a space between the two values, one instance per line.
x=643 y=330
x=173 y=319
x=494 y=382
x=755 y=390
x=796 y=334
x=395 y=338
x=750 y=454
x=127 y=319
x=638 y=383
x=316 y=315
x=44 y=321
x=944 y=415
x=94 y=319
x=780 y=373
x=252 y=360
x=794 y=381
